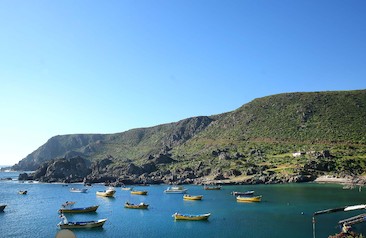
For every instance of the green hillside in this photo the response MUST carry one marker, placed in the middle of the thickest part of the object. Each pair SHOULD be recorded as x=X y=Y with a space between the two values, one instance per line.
x=257 y=138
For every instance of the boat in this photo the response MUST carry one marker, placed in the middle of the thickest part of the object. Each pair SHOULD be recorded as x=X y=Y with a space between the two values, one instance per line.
x=190 y=217
x=138 y=192
x=248 y=199
x=23 y=192
x=247 y=193
x=78 y=190
x=78 y=210
x=127 y=188
x=136 y=206
x=214 y=187
x=176 y=189
x=68 y=204
x=190 y=197
x=106 y=193
x=2 y=207
x=80 y=224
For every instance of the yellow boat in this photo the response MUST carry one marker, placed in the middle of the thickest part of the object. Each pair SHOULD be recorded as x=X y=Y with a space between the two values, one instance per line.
x=139 y=192
x=248 y=199
x=189 y=197
x=136 y=206
x=106 y=193
x=188 y=217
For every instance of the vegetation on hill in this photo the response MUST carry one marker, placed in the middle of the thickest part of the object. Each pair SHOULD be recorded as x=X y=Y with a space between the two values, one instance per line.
x=254 y=143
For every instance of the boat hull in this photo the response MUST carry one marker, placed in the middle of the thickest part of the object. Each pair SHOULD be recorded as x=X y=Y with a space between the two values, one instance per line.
x=184 y=217
x=108 y=193
x=137 y=206
x=79 y=210
x=85 y=225
x=248 y=199
x=178 y=192
x=194 y=198
x=2 y=207
x=139 y=192
x=247 y=193
x=176 y=189
x=212 y=188
x=76 y=190
x=127 y=188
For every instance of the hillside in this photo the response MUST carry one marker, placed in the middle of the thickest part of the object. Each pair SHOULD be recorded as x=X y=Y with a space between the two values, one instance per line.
x=257 y=139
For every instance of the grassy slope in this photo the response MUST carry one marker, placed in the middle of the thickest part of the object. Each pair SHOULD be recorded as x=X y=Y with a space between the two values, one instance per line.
x=265 y=131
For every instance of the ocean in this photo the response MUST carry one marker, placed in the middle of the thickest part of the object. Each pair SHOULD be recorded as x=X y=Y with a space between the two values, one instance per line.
x=286 y=210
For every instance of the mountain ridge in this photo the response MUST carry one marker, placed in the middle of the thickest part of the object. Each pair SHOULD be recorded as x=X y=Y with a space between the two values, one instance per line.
x=255 y=133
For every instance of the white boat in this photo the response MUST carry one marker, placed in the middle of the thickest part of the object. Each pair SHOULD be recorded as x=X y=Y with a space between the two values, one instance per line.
x=106 y=193
x=78 y=190
x=127 y=188
x=176 y=189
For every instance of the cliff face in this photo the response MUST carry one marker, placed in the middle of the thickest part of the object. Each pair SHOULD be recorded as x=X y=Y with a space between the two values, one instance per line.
x=65 y=146
x=256 y=139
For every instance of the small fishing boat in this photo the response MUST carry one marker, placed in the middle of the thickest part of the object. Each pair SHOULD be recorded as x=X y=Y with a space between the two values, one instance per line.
x=248 y=199
x=138 y=192
x=247 y=193
x=78 y=210
x=23 y=192
x=176 y=189
x=212 y=187
x=78 y=190
x=190 y=217
x=2 y=207
x=190 y=197
x=64 y=224
x=106 y=193
x=136 y=206
x=127 y=188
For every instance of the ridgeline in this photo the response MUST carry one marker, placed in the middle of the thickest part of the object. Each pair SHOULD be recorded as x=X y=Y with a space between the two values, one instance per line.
x=290 y=137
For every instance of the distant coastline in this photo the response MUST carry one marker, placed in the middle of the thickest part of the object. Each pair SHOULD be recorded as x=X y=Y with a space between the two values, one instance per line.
x=5 y=168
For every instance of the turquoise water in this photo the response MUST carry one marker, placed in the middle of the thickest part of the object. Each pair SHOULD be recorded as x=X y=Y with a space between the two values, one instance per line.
x=286 y=211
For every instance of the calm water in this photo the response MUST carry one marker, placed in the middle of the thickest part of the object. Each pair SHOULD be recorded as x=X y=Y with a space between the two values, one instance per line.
x=278 y=215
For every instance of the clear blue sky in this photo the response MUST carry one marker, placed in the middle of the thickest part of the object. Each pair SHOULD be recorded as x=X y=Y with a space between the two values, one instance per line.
x=89 y=66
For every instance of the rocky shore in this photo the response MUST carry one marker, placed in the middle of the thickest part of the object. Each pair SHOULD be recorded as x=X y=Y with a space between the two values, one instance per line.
x=78 y=169
x=346 y=180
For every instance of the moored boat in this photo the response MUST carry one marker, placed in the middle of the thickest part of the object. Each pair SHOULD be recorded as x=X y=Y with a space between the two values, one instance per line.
x=79 y=210
x=138 y=192
x=176 y=189
x=127 y=188
x=65 y=224
x=106 y=193
x=190 y=197
x=23 y=192
x=212 y=187
x=2 y=207
x=248 y=199
x=78 y=190
x=136 y=206
x=190 y=217
x=246 y=193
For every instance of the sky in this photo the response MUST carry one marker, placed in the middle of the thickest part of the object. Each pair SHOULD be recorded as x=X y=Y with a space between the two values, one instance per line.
x=69 y=67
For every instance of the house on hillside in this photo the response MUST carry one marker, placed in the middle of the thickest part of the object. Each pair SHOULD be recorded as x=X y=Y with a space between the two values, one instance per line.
x=298 y=154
